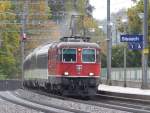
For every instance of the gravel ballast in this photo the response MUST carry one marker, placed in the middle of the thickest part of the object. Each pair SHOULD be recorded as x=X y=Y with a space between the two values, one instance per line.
x=8 y=107
x=65 y=103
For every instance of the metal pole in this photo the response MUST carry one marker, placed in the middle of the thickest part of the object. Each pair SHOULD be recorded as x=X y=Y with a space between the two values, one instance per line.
x=145 y=47
x=125 y=21
x=109 y=44
x=22 y=60
x=24 y=17
x=125 y=65
x=125 y=58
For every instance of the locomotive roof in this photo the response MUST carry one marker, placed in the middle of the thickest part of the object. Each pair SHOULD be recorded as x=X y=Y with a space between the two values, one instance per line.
x=77 y=44
x=75 y=39
x=41 y=50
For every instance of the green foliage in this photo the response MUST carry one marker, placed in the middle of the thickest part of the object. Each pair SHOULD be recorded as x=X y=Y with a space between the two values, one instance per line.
x=10 y=45
x=117 y=56
x=103 y=60
x=38 y=28
x=134 y=27
x=8 y=54
x=77 y=6
x=135 y=23
x=81 y=4
x=133 y=57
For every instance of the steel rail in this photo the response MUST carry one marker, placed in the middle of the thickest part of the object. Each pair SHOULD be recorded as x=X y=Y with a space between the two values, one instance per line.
x=36 y=105
x=107 y=102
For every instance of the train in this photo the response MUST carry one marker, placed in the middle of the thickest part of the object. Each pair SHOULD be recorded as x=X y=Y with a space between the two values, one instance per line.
x=70 y=66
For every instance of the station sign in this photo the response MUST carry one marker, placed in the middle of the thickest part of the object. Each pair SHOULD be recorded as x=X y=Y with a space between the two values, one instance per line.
x=131 y=38
x=135 y=45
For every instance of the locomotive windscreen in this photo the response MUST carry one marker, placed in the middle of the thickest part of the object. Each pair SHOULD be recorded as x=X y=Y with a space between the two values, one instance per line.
x=69 y=55
x=88 y=55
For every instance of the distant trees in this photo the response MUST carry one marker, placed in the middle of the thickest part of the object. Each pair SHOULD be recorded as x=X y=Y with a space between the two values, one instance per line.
x=57 y=9
x=133 y=57
x=134 y=27
x=10 y=46
x=135 y=22
x=39 y=28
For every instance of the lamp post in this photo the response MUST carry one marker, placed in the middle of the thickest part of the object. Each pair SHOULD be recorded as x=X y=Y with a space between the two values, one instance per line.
x=109 y=45
x=124 y=21
x=145 y=46
x=141 y=16
x=109 y=52
x=23 y=36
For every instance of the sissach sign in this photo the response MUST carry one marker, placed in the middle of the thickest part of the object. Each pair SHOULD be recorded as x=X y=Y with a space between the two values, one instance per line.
x=131 y=38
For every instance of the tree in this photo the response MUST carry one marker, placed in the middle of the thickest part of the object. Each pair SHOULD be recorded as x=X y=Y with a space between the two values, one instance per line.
x=133 y=57
x=134 y=21
x=103 y=60
x=10 y=45
x=134 y=27
x=38 y=27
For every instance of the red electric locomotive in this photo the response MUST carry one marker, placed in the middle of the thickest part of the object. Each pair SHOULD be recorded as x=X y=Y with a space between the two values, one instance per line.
x=69 y=67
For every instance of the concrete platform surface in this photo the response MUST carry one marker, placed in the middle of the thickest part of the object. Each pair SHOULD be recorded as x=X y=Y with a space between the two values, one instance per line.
x=124 y=90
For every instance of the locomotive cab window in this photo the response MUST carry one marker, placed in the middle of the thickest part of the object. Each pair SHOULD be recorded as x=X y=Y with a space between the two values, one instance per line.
x=69 y=55
x=88 y=56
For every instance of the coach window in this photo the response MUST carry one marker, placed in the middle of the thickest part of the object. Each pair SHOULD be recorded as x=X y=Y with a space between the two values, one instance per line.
x=69 y=55
x=88 y=55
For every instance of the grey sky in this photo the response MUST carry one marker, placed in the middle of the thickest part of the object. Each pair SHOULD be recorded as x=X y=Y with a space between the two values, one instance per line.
x=100 y=11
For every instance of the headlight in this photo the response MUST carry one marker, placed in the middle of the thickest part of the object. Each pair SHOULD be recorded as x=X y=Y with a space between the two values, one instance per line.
x=66 y=73
x=91 y=74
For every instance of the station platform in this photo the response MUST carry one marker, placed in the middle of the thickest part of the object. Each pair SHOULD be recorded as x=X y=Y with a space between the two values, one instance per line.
x=127 y=92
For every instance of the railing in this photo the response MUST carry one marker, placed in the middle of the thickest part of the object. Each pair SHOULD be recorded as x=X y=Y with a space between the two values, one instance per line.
x=133 y=78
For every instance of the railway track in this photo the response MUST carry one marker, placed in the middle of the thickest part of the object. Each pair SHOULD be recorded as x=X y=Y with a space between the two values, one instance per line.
x=107 y=101
x=122 y=97
x=9 y=96
x=124 y=103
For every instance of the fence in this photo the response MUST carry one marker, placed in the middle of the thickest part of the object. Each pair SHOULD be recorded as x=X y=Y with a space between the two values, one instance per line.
x=133 y=78
x=10 y=84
